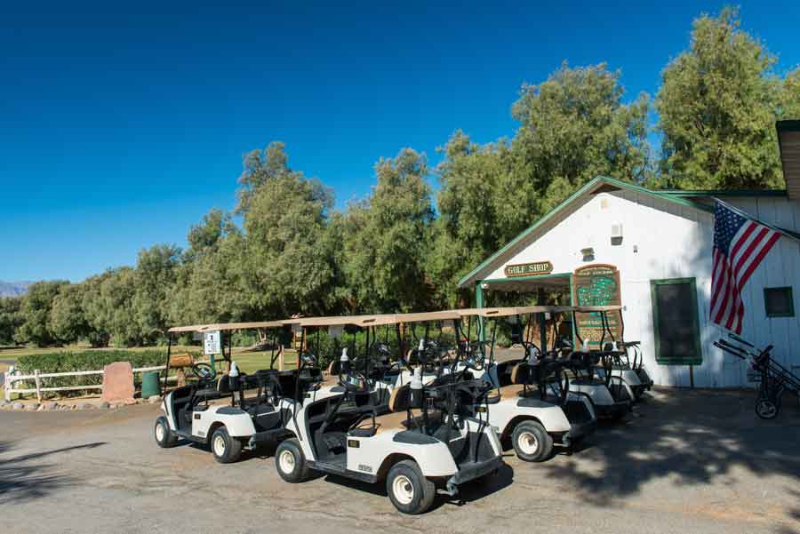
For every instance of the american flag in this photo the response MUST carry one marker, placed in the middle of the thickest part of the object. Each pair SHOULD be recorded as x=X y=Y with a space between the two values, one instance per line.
x=740 y=244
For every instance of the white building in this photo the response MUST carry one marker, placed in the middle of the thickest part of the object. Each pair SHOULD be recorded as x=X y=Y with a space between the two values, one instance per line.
x=660 y=243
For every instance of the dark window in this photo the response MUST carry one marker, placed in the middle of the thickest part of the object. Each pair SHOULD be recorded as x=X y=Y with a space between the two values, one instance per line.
x=778 y=301
x=677 y=332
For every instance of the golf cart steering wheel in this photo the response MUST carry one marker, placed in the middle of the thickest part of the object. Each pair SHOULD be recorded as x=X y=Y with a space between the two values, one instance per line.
x=204 y=372
x=354 y=382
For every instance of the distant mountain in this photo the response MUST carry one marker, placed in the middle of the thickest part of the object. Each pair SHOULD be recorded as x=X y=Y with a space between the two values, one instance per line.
x=13 y=289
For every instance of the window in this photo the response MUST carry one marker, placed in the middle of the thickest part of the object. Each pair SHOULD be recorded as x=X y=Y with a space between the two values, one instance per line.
x=677 y=331
x=778 y=301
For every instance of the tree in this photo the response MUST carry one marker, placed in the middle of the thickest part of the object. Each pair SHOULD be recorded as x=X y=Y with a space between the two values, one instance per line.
x=287 y=263
x=790 y=96
x=36 y=307
x=717 y=108
x=574 y=126
x=154 y=276
x=67 y=321
x=387 y=237
x=109 y=307
x=204 y=237
x=471 y=209
x=10 y=318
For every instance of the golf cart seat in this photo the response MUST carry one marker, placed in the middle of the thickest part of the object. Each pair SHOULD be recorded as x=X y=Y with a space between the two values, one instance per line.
x=520 y=374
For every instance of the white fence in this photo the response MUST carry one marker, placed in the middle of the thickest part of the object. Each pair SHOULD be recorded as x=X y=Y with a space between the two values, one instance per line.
x=37 y=377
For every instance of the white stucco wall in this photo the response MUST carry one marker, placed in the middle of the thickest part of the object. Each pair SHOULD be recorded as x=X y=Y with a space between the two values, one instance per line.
x=664 y=240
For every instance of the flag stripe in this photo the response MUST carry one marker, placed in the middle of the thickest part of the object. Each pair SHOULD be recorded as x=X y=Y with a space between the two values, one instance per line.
x=740 y=245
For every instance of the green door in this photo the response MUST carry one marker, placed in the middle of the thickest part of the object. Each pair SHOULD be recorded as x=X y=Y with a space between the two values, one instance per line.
x=675 y=321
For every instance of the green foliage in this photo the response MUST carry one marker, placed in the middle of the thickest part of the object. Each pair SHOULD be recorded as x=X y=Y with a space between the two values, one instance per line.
x=11 y=318
x=64 y=362
x=67 y=321
x=35 y=311
x=386 y=238
x=717 y=107
x=287 y=257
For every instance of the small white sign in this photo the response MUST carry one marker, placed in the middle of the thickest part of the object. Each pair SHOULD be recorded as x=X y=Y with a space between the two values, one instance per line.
x=211 y=342
x=335 y=331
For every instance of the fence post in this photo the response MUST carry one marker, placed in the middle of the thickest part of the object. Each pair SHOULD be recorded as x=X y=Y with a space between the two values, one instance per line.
x=38 y=385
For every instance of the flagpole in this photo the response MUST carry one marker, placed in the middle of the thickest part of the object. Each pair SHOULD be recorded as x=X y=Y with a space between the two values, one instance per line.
x=748 y=216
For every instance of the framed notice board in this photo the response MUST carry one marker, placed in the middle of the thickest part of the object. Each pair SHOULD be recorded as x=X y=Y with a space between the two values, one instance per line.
x=597 y=285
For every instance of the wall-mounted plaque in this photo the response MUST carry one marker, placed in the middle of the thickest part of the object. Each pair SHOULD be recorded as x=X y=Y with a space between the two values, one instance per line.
x=597 y=285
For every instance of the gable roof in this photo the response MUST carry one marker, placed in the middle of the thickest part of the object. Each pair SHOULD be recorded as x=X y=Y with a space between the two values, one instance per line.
x=597 y=183
x=679 y=197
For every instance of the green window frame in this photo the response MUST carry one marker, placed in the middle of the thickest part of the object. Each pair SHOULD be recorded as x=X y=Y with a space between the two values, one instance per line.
x=788 y=290
x=672 y=359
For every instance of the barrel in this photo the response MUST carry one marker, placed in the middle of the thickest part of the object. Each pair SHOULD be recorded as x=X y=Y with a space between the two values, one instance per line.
x=150 y=384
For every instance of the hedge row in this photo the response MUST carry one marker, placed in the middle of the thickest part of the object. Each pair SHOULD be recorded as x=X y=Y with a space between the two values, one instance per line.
x=96 y=360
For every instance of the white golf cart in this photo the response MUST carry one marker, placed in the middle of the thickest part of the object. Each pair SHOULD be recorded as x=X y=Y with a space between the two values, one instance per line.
x=421 y=440
x=616 y=356
x=532 y=407
x=229 y=412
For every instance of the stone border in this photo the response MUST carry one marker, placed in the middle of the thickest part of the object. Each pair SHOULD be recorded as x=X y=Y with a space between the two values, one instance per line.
x=69 y=405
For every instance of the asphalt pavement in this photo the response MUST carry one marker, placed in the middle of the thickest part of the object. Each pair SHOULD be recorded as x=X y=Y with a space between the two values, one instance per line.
x=685 y=462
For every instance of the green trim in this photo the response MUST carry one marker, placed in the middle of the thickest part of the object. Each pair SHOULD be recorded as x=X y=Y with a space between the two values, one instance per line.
x=572 y=303
x=725 y=193
x=671 y=359
x=589 y=186
x=479 y=304
x=788 y=126
x=790 y=313
x=531 y=277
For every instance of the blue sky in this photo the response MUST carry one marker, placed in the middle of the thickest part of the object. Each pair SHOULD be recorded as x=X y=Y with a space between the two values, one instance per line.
x=120 y=129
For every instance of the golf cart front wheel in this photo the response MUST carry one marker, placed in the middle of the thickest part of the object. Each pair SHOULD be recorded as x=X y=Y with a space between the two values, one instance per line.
x=531 y=442
x=226 y=449
x=408 y=489
x=291 y=462
x=164 y=436
x=767 y=408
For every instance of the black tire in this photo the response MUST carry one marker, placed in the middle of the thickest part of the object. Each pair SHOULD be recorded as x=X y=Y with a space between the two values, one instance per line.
x=410 y=492
x=164 y=436
x=767 y=408
x=225 y=449
x=531 y=442
x=291 y=462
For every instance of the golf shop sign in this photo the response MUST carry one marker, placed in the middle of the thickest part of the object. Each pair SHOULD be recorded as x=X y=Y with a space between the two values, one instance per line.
x=529 y=269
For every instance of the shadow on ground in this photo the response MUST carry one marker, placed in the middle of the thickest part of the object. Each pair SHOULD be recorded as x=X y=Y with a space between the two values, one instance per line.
x=24 y=478
x=688 y=436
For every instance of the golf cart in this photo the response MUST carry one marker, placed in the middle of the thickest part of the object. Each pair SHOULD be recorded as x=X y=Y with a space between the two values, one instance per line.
x=608 y=396
x=531 y=405
x=421 y=440
x=230 y=412
x=616 y=355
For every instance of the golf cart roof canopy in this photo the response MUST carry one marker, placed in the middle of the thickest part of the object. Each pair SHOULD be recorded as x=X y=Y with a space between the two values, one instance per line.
x=374 y=320
x=225 y=326
x=526 y=310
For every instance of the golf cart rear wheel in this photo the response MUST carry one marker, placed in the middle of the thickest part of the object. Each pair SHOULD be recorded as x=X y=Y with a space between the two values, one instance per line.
x=408 y=489
x=531 y=442
x=291 y=462
x=767 y=408
x=226 y=449
x=164 y=436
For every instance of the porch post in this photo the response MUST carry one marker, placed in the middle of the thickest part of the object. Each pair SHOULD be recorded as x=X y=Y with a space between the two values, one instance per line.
x=479 y=304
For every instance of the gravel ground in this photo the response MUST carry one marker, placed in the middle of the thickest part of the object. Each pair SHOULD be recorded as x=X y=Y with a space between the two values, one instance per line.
x=685 y=462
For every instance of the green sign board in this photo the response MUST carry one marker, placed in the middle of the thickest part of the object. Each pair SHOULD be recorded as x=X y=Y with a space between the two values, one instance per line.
x=597 y=285
x=529 y=269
